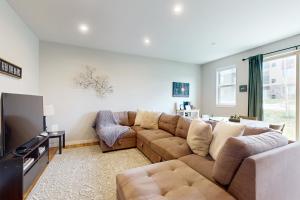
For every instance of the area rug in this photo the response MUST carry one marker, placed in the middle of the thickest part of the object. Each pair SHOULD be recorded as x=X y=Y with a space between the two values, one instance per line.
x=85 y=174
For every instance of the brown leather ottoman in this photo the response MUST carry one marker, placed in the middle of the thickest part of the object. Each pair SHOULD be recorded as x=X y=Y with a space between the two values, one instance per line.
x=172 y=180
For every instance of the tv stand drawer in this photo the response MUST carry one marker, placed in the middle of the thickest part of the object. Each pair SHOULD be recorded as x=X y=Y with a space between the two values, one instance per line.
x=35 y=171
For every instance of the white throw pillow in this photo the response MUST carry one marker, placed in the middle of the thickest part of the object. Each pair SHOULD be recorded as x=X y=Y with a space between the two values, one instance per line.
x=221 y=133
x=139 y=117
x=150 y=120
x=199 y=137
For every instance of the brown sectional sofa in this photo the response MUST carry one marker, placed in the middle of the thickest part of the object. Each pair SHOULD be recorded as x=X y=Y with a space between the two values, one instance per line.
x=272 y=175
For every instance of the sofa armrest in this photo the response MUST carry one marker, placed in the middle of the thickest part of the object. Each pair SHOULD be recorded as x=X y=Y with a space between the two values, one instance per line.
x=274 y=174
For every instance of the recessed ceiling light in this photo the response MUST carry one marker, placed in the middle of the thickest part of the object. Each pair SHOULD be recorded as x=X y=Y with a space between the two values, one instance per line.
x=178 y=8
x=83 y=28
x=147 y=41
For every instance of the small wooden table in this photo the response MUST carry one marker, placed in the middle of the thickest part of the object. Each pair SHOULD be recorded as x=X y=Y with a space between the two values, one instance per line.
x=61 y=137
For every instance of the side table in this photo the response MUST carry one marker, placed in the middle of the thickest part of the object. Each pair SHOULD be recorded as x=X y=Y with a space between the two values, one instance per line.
x=61 y=138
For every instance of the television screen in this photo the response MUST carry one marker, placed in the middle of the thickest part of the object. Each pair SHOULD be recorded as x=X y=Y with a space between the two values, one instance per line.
x=22 y=120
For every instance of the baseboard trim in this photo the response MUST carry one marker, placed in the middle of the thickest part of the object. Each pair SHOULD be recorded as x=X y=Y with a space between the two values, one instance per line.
x=70 y=146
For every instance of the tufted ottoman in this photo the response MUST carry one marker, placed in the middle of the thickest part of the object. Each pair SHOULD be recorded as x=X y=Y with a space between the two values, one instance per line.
x=167 y=180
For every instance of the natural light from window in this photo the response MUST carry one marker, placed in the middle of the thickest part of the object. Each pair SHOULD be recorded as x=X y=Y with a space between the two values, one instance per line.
x=279 y=82
x=226 y=87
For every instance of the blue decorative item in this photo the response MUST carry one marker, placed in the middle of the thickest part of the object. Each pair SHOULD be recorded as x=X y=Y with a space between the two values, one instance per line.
x=181 y=89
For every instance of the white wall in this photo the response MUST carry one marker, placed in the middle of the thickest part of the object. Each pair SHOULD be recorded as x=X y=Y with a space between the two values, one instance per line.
x=208 y=105
x=138 y=82
x=20 y=46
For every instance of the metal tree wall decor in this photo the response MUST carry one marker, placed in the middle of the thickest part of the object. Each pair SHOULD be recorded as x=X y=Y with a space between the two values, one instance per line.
x=89 y=80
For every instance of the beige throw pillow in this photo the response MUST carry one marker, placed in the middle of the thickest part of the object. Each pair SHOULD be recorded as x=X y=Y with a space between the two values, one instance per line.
x=150 y=120
x=221 y=133
x=199 y=137
x=139 y=117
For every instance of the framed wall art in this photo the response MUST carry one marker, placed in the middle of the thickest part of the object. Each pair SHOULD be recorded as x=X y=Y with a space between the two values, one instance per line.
x=181 y=89
x=10 y=69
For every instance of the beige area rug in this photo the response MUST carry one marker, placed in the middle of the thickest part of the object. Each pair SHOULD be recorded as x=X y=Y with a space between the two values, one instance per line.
x=85 y=173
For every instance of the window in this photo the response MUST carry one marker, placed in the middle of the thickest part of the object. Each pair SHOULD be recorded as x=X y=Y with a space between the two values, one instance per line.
x=226 y=86
x=279 y=102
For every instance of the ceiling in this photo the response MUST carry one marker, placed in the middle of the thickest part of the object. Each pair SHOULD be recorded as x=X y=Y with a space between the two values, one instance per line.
x=120 y=25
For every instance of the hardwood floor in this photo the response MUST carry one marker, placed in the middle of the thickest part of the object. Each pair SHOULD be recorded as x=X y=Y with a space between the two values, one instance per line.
x=52 y=152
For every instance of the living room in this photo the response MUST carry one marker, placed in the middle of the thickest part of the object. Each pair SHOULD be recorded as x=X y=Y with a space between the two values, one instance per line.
x=126 y=92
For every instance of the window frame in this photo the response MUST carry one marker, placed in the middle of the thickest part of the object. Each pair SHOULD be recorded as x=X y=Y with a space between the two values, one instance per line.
x=218 y=86
x=283 y=55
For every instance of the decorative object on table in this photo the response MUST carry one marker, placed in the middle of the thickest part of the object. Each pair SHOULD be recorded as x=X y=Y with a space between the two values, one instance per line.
x=177 y=106
x=234 y=118
x=188 y=107
x=237 y=118
x=10 y=69
x=192 y=114
x=48 y=111
x=61 y=139
x=186 y=104
x=181 y=107
x=89 y=80
x=181 y=89
x=243 y=88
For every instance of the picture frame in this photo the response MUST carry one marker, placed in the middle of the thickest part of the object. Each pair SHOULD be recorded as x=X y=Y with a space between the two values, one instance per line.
x=243 y=88
x=181 y=89
x=10 y=69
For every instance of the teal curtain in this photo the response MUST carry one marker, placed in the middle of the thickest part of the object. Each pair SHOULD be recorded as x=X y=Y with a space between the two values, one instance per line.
x=255 y=94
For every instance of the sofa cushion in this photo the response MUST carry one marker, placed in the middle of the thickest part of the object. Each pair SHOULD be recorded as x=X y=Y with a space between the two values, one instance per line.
x=147 y=136
x=129 y=134
x=236 y=149
x=137 y=128
x=168 y=122
x=139 y=117
x=150 y=120
x=256 y=130
x=171 y=148
x=199 y=137
x=183 y=127
x=131 y=118
x=122 y=118
x=221 y=133
x=203 y=165
x=171 y=180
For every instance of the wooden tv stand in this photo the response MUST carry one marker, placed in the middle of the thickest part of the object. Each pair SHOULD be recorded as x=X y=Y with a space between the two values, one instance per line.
x=15 y=181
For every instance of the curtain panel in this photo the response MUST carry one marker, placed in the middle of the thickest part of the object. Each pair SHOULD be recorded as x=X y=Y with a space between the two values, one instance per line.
x=255 y=94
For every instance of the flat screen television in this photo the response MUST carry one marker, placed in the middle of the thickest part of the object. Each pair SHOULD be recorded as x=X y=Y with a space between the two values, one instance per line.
x=21 y=120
